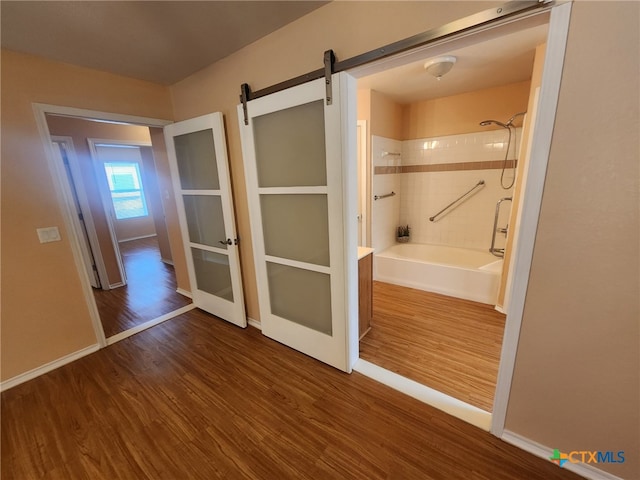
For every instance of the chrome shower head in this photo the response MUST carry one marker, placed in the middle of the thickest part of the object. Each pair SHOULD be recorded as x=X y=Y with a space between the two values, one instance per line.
x=485 y=123
x=520 y=114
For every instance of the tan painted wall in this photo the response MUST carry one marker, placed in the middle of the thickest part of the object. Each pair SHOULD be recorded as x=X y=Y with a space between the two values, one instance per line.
x=576 y=384
x=80 y=131
x=386 y=116
x=364 y=113
x=523 y=162
x=44 y=313
x=349 y=28
x=462 y=113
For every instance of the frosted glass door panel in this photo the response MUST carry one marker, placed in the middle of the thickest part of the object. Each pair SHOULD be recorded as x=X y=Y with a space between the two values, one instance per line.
x=290 y=147
x=299 y=164
x=301 y=296
x=204 y=220
x=196 y=158
x=296 y=227
x=197 y=154
x=212 y=273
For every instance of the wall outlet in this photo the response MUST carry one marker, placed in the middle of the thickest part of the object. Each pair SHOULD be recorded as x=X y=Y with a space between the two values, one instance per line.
x=48 y=234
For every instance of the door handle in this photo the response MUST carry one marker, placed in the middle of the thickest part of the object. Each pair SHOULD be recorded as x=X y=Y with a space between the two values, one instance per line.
x=226 y=242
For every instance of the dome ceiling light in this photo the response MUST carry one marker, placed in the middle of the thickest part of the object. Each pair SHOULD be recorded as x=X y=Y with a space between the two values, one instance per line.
x=440 y=66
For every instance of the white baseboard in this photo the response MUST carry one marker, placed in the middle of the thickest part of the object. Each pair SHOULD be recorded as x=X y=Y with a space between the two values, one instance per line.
x=151 y=323
x=583 y=469
x=137 y=238
x=168 y=262
x=184 y=293
x=254 y=323
x=116 y=285
x=439 y=400
x=47 y=367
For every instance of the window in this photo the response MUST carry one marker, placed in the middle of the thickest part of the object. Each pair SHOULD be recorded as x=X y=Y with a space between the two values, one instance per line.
x=125 y=184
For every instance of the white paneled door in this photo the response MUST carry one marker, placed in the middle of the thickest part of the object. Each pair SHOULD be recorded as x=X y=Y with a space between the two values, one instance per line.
x=300 y=167
x=199 y=168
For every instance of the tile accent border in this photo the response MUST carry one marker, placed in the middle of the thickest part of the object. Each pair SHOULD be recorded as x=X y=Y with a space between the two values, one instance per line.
x=444 y=167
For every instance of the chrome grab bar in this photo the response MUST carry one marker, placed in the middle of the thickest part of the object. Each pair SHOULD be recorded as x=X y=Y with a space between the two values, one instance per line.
x=378 y=197
x=479 y=184
x=498 y=252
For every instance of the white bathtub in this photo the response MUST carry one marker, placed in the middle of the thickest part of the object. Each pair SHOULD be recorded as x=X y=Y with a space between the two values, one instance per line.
x=457 y=272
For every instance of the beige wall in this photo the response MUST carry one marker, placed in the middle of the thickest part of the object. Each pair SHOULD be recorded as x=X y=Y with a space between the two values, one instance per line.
x=364 y=113
x=80 y=131
x=44 y=312
x=386 y=116
x=461 y=113
x=576 y=384
x=349 y=28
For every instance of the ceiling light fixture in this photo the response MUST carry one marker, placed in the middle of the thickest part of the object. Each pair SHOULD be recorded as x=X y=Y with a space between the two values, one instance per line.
x=440 y=66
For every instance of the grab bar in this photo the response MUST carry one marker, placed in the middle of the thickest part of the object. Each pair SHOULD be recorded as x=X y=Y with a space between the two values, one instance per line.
x=394 y=154
x=479 y=184
x=498 y=252
x=378 y=197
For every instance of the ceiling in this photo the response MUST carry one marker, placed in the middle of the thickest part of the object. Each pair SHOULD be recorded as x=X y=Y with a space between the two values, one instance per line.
x=158 y=41
x=490 y=63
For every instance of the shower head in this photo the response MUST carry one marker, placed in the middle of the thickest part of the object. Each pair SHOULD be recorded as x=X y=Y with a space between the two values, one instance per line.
x=485 y=123
x=520 y=114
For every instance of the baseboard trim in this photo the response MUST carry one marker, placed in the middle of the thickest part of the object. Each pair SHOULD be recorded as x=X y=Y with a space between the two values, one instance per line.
x=151 y=323
x=116 y=285
x=583 y=469
x=47 y=367
x=439 y=400
x=184 y=293
x=168 y=262
x=124 y=240
x=254 y=323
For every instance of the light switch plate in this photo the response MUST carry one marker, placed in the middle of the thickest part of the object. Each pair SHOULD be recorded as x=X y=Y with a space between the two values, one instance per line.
x=48 y=234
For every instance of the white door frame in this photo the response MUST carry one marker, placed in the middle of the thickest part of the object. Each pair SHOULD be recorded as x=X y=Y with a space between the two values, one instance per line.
x=83 y=200
x=542 y=133
x=40 y=111
x=105 y=196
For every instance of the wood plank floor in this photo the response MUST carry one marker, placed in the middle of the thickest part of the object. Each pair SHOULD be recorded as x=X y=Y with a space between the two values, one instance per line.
x=150 y=291
x=197 y=398
x=448 y=344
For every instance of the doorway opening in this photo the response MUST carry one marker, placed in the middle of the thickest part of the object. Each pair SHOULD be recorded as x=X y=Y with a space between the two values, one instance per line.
x=448 y=156
x=120 y=195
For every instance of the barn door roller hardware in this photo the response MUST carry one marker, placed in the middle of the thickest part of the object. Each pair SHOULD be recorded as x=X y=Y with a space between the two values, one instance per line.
x=329 y=60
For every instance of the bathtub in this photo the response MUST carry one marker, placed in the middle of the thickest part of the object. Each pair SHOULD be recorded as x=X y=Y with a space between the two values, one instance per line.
x=457 y=272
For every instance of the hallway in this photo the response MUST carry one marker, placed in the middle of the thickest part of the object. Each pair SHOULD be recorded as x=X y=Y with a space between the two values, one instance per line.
x=150 y=291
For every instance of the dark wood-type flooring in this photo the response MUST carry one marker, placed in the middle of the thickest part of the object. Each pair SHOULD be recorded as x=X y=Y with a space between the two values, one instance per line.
x=446 y=343
x=150 y=291
x=197 y=398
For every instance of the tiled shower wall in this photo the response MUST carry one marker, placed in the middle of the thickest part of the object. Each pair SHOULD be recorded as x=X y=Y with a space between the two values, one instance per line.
x=463 y=160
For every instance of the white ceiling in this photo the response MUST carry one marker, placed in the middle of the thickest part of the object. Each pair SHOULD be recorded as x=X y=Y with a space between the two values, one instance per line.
x=159 y=41
x=490 y=63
